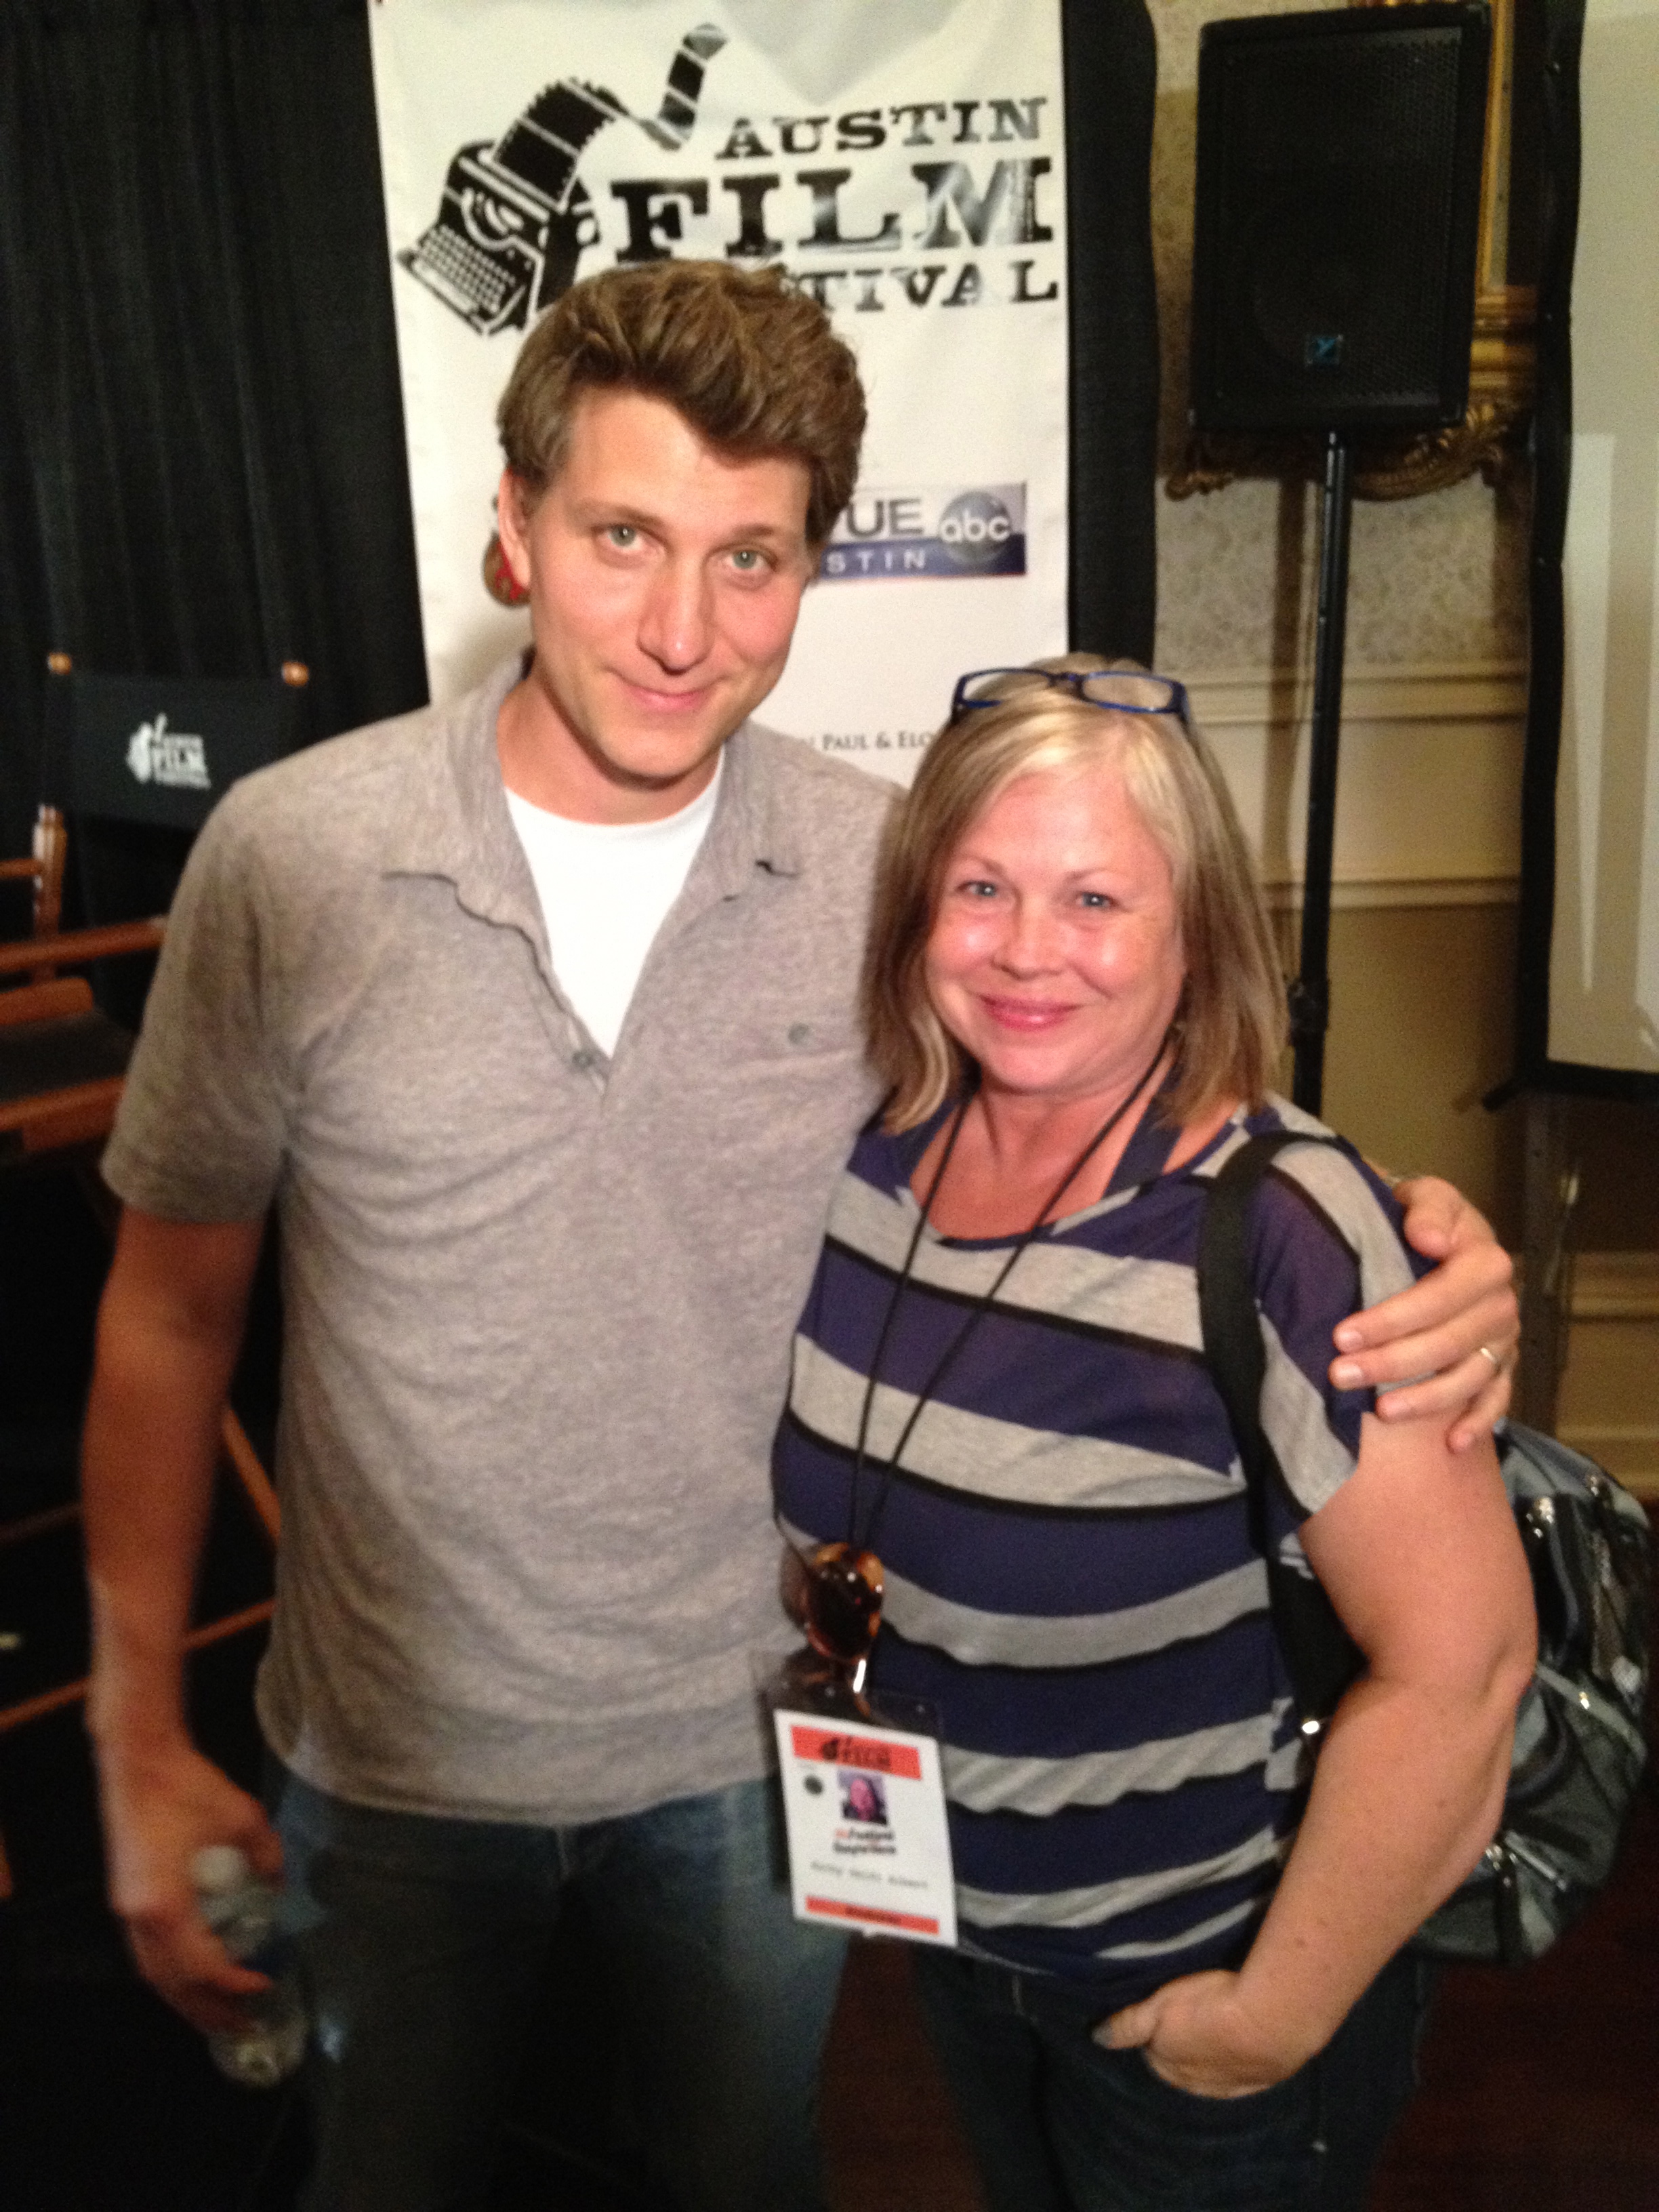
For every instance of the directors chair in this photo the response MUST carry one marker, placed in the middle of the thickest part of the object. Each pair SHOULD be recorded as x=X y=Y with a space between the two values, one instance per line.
x=62 y=1060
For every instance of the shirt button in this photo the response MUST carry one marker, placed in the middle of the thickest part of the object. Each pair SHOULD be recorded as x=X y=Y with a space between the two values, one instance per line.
x=581 y=1061
x=800 y=1032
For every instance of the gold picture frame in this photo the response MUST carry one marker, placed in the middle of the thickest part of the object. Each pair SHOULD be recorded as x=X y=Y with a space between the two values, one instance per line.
x=1502 y=356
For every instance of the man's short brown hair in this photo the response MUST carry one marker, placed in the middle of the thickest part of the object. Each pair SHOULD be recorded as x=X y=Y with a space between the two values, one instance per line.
x=753 y=365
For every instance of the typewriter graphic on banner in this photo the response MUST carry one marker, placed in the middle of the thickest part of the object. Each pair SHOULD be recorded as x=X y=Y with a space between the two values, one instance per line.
x=514 y=216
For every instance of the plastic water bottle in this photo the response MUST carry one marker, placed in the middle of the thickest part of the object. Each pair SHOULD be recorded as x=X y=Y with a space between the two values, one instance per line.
x=241 y=1911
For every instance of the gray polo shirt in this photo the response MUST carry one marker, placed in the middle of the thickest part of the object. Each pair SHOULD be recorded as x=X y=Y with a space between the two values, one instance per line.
x=538 y=1302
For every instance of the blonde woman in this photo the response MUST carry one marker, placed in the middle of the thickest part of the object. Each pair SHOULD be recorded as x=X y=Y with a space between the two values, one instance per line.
x=1181 y=1981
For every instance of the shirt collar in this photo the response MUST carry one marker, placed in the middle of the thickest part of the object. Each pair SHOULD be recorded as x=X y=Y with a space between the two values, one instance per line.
x=751 y=830
x=455 y=821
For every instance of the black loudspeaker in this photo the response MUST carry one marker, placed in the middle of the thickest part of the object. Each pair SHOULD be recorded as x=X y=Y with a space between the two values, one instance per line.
x=1339 y=199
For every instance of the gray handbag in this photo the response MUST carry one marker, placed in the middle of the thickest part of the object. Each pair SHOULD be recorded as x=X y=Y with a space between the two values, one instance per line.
x=1580 y=1737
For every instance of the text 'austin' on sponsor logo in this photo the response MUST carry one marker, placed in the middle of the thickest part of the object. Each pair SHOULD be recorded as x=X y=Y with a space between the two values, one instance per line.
x=976 y=530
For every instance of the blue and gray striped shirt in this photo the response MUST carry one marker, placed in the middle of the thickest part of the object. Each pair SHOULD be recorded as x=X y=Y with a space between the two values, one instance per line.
x=1070 y=1583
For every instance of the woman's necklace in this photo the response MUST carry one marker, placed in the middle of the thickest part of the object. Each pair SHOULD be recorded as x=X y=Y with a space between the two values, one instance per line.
x=857 y=1548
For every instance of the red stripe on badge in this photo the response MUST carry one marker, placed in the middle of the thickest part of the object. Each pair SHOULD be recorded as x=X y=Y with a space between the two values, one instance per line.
x=914 y=1923
x=838 y=1750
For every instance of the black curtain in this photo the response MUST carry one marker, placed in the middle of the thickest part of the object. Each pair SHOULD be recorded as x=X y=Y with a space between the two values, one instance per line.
x=1111 y=86
x=201 y=435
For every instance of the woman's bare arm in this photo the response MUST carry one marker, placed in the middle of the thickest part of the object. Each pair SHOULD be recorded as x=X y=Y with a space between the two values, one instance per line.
x=1421 y=1557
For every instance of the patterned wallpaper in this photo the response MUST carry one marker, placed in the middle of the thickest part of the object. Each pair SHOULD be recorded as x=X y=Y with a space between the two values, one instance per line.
x=1437 y=579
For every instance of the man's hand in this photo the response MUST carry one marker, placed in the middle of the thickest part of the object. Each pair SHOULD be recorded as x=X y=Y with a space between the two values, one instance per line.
x=1197 y=2034
x=1457 y=1328
x=159 y=1811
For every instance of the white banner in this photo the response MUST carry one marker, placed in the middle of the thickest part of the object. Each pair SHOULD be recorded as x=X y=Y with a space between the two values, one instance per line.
x=904 y=160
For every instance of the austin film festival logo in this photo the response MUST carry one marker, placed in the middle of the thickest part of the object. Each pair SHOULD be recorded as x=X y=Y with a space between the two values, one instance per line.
x=515 y=218
x=171 y=759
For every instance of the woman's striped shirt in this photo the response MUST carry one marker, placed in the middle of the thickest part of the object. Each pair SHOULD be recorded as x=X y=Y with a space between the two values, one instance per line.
x=1069 y=1579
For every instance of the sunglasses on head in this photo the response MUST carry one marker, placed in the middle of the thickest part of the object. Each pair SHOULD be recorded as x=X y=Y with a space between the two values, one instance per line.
x=1122 y=690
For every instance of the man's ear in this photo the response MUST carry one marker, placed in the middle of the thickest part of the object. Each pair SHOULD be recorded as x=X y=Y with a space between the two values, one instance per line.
x=513 y=512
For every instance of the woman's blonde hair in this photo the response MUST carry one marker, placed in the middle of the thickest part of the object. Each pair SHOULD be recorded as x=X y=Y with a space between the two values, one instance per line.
x=1232 y=1021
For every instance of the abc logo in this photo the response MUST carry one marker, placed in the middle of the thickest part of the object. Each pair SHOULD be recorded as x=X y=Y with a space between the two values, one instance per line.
x=974 y=528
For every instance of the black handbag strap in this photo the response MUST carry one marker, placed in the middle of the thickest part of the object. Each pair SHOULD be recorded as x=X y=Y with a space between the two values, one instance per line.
x=1319 y=1655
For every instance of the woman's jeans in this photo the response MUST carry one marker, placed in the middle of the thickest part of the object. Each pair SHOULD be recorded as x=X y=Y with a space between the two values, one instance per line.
x=424 y=1941
x=1059 y=2125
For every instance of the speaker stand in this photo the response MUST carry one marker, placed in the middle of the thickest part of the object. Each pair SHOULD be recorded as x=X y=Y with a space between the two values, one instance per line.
x=1310 y=992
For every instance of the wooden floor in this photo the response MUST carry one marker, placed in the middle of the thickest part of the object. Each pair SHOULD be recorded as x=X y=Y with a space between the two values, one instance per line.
x=889 y=2137
x=1540 y=2089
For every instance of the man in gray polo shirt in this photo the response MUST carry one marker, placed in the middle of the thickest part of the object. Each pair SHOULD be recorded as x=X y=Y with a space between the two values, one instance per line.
x=535 y=1016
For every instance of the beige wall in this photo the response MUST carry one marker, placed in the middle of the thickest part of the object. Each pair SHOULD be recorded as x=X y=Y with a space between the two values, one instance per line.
x=1428 y=823
x=1421 y=994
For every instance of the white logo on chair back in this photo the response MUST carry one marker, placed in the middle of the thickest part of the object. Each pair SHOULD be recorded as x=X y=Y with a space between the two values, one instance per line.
x=156 y=754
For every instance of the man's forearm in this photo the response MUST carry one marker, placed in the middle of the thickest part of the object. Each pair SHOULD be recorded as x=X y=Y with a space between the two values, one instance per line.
x=150 y=1454
x=168 y=1332
x=164 y=1362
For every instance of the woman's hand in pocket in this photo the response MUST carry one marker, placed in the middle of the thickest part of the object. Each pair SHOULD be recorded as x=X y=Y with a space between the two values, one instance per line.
x=1197 y=2034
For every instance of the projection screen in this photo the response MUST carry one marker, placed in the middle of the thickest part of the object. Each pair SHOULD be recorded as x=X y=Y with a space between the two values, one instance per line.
x=1589 y=1009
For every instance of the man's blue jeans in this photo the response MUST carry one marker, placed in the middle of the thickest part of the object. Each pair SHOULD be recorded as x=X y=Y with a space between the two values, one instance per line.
x=1059 y=2125
x=424 y=1941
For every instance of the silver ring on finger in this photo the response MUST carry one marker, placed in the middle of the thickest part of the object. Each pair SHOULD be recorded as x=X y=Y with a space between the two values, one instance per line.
x=1487 y=1354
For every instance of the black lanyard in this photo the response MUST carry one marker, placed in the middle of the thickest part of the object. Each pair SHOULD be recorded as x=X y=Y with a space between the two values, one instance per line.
x=890 y=1464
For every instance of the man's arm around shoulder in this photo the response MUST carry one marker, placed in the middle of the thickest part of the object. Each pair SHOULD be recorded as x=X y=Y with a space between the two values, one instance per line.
x=1455 y=1330
x=169 y=1330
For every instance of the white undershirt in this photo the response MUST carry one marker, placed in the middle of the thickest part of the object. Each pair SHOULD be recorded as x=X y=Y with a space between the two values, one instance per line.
x=605 y=887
